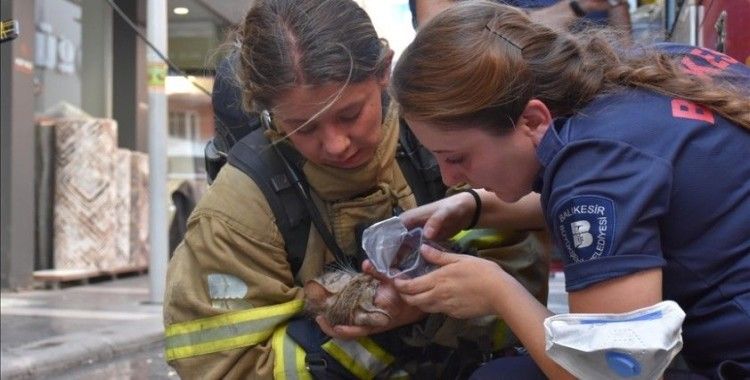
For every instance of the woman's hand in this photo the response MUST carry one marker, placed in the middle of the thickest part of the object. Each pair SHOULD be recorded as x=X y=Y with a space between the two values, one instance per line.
x=462 y=287
x=386 y=298
x=446 y=217
x=442 y=219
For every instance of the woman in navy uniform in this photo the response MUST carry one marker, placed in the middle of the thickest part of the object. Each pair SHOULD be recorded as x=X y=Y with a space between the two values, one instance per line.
x=640 y=156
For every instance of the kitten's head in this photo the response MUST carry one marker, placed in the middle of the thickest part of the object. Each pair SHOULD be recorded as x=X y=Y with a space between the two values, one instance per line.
x=320 y=292
x=345 y=297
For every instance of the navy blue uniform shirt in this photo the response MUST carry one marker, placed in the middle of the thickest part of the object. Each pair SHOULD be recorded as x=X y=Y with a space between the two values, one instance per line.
x=597 y=17
x=639 y=180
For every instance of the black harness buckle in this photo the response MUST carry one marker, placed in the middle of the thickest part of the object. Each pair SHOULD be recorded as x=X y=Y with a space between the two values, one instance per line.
x=314 y=363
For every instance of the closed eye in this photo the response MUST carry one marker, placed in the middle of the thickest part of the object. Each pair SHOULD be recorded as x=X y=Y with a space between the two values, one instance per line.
x=454 y=160
x=350 y=116
x=306 y=129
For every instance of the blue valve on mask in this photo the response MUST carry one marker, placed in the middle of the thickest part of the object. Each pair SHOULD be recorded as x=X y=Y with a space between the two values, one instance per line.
x=623 y=364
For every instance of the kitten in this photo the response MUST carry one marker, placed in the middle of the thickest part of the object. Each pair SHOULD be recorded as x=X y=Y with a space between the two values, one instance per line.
x=345 y=297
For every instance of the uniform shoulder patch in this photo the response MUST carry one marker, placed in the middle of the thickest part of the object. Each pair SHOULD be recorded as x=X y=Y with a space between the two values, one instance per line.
x=225 y=286
x=585 y=225
x=227 y=292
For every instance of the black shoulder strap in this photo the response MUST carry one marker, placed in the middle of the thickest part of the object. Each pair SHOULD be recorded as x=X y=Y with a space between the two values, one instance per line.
x=254 y=156
x=289 y=200
x=274 y=168
x=419 y=167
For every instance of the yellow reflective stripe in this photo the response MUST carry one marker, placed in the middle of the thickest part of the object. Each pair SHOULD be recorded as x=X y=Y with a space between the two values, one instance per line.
x=400 y=375
x=502 y=337
x=227 y=331
x=345 y=360
x=380 y=354
x=484 y=238
x=363 y=357
x=291 y=307
x=299 y=358
x=289 y=358
x=279 y=359
x=215 y=346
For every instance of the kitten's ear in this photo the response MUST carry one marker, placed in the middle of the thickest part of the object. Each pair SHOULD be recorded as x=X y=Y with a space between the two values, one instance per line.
x=333 y=282
x=316 y=293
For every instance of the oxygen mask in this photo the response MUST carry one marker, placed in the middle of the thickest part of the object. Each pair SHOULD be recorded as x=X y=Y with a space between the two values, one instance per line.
x=394 y=250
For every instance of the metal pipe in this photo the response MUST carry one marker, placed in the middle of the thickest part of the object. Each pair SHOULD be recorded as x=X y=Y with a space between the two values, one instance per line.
x=156 y=28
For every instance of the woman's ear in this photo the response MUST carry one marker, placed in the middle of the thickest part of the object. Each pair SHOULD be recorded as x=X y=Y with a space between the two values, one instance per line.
x=535 y=119
x=386 y=77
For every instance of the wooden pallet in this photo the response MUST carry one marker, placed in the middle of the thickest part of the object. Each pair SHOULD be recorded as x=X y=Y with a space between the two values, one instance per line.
x=55 y=278
x=127 y=270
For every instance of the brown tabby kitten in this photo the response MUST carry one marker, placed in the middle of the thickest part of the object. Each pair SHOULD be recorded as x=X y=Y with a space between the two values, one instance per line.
x=345 y=297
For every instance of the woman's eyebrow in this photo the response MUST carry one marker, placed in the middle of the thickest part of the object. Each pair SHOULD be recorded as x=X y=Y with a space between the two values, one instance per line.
x=443 y=151
x=293 y=121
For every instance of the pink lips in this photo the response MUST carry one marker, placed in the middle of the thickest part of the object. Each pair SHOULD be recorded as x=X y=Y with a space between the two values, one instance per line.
x=350 y=162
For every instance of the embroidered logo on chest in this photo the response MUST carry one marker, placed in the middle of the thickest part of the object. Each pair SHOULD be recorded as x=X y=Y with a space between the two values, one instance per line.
x=585 y=227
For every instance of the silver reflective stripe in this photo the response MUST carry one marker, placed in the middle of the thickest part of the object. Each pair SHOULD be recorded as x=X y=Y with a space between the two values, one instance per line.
x=224 y=332
x=289 y=358
x=362 y=357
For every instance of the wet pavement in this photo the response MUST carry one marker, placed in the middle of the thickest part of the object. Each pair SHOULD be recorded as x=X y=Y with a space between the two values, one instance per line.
x=145 y=364
x=48 y=331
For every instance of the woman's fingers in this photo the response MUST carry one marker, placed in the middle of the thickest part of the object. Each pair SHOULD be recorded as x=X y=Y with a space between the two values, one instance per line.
x=324 y=325
x=351 y=332
x=438 y=257
x=428 y=281
x=457 y=288
x=369 y=268
x=341 y=331
x=422 y=301
x=415 y=285
x=417 y=217
x=440 y=219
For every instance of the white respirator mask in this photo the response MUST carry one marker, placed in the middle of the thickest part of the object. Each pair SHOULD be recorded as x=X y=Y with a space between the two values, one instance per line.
x=636 y=345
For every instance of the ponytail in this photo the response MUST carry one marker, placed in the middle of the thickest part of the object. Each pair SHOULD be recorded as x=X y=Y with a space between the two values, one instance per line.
x=658 y=72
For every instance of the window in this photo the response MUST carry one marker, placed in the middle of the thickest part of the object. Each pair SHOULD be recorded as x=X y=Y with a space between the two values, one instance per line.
x=183 y=125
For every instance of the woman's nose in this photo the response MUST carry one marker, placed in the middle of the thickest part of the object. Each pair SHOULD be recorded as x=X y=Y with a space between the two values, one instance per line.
x=451 y=176
x=335 y=141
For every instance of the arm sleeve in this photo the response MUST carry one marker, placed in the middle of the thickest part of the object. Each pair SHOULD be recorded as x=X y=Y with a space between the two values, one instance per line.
x=229 y=288
x=604 y=209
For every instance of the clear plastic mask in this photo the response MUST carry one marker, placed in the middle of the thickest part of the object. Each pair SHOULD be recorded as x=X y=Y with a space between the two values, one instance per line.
x=394 y=250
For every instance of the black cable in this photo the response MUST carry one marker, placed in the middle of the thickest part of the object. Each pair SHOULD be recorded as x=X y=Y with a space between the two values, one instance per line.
x=303 y=190
x=159 y=53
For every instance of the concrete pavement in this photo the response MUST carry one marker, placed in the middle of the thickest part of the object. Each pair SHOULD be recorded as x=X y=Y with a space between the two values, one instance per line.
x=48 y=331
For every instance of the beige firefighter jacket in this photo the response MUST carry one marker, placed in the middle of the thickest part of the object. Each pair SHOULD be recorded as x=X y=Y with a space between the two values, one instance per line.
x=230 y=290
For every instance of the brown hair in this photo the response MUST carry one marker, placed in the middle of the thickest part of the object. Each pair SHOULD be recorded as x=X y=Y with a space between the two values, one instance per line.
x=480 y=63
x=287 y=43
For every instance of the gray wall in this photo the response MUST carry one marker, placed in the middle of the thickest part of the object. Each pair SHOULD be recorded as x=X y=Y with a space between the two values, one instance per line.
x=130 y=94
x=57 y=23
x=17 y=159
